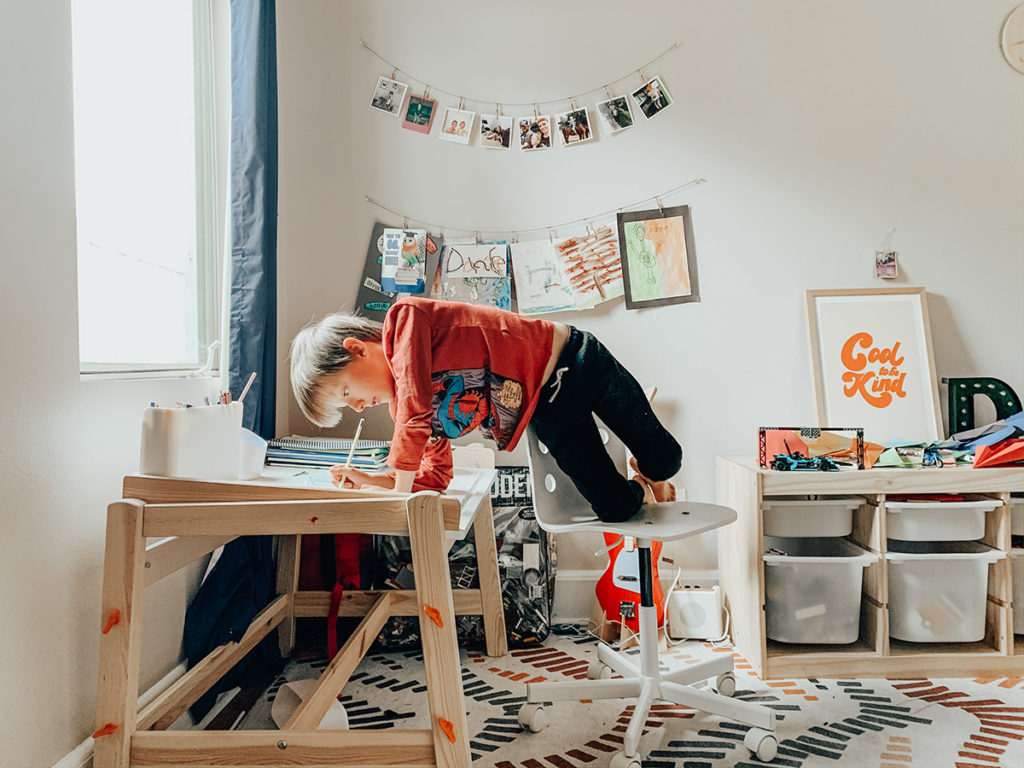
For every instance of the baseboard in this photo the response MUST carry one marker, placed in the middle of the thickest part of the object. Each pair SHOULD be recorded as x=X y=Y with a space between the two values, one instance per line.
x=574 y=590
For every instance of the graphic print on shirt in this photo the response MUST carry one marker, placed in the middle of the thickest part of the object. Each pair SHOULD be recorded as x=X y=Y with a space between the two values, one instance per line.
x=475 y=398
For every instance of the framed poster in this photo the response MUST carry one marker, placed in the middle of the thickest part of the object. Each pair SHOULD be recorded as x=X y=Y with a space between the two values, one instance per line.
x=872 y=363
x=659 y=262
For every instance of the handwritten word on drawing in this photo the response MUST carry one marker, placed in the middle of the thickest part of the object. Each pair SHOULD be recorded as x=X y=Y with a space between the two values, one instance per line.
x=477 y=261
x=874 y=375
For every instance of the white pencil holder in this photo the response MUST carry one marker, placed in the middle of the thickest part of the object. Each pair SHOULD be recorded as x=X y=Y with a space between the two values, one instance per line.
x=200 y=442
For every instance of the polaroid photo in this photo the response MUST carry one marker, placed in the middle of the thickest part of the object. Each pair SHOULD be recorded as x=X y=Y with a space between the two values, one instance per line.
x=495 y=131
x=419 y=115
x=615 y=114
x=886 y=264
x=574 y=127
x=389 y=96
x=652 y=97
x=457 y=125
x=535 y=132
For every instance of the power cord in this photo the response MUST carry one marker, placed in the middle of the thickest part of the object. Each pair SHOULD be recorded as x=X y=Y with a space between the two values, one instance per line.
x=722 y=641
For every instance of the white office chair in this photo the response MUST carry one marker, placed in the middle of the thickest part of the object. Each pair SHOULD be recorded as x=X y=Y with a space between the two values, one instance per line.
x=561 y=509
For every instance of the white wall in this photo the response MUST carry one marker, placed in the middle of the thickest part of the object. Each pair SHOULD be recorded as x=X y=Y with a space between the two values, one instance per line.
x=66 y=443
x=818 y=126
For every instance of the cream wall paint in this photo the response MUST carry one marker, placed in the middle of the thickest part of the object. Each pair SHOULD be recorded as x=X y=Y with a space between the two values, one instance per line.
x=819 y=126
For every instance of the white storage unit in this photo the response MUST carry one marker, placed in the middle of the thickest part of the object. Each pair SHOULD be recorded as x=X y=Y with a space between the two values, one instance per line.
x=812 y=589
x=1017 y=561
x=937 y=520
x=937 y=590
x=800 y=516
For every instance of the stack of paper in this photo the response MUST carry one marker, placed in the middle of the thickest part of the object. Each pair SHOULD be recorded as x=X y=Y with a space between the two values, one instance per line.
x=298 y=451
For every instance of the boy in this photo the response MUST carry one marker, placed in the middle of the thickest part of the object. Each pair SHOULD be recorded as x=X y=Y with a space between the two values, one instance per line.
x=448 y=368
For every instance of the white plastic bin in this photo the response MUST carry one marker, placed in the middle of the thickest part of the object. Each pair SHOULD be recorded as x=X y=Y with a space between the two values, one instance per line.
x=203 y=441
x=937 y=520
x=1017 y=563
x=793 y=516
x=812 y=589
x=1016 y=516
x=937 y=590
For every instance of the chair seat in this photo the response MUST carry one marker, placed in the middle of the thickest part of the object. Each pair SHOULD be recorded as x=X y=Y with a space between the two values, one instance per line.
x=665 y=521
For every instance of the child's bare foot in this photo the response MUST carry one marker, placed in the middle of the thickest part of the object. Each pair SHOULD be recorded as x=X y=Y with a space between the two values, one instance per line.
x=654 y=490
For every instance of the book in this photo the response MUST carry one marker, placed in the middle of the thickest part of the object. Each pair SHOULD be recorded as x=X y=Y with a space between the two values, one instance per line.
x=330 y=444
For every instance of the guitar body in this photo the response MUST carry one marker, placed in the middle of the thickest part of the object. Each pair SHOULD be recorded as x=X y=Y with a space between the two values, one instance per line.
x=620 y=583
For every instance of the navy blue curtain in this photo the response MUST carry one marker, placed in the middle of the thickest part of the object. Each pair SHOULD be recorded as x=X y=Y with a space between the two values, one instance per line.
x=253 y=336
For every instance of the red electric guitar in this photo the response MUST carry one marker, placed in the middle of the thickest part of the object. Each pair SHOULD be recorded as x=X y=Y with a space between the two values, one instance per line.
x=618 y=589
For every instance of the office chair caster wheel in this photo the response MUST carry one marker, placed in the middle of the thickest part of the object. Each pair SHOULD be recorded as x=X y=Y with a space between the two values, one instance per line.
x=762 y=744
x=725 y=684
x=619 y=760
x=532 y=717
x=598 y=670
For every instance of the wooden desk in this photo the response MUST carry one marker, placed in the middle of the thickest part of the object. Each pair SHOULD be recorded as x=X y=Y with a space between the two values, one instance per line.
x=190 y=518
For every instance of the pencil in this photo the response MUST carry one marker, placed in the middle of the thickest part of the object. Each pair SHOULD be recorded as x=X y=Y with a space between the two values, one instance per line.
x=248 y=384
x=352 y=450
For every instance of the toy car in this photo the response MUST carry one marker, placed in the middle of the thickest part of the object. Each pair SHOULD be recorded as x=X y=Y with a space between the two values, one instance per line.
x=800 y=463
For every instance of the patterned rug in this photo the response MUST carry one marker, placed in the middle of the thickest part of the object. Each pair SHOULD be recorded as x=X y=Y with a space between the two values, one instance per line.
x=960 y=723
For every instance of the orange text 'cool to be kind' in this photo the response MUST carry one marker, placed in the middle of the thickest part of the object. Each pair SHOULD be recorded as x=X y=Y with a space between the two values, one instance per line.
x=877 y=387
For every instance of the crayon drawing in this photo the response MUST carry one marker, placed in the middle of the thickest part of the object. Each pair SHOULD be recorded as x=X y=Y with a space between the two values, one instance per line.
x=592 y=265
x=475 y=273
x=659 y=263
x=541 y=286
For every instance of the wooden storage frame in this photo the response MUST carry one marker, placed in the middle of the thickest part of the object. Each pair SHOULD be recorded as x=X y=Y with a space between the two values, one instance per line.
x=191 y=518
x=742 y=485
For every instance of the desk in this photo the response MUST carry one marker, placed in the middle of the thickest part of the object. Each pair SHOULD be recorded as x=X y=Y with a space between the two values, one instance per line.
x=190 y=518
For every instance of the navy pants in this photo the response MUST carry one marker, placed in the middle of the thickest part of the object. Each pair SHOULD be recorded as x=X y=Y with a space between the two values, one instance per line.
x=589 y=381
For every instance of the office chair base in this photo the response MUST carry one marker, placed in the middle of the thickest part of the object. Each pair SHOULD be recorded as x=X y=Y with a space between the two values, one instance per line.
x=676 y=687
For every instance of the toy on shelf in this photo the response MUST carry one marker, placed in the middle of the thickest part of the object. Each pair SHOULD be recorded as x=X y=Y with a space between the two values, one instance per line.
x=803 y=448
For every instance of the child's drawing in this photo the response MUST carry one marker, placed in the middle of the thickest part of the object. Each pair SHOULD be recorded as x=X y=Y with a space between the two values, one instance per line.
x=592 y=265
x=541 y=286
x=476 y=273
x=658 y=258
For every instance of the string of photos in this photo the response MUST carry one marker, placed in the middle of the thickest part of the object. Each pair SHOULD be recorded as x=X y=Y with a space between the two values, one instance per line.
x=646 y=256
x=528 y=126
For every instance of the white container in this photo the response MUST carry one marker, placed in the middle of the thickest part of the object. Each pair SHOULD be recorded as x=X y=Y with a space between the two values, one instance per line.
x=202 y=442
x=1017 y=563
x=787 y=516
x=937 y=520
x=252 y=454
x=1016 y=516
x=812 y=591
x=937 y=590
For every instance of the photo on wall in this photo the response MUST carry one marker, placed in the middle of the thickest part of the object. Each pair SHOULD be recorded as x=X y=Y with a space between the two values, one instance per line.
x=457 y=125
x=574 y=126
x=419 y=114
x=388 y=96
x=535 y=132
x=652 y=97
x=615 y=114
x=659 y=262
x=495 y=131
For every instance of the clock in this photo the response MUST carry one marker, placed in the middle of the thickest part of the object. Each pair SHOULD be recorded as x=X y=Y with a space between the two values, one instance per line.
x=1013 y=38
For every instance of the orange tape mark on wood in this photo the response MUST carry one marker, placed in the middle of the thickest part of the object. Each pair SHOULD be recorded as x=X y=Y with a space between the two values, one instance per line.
x=313 y=519
x=434 y=614
x=448 y=728
x=114 y=619
x=106 y=730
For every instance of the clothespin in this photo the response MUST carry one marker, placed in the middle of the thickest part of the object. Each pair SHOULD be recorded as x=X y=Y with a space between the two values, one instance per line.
x=660 y=206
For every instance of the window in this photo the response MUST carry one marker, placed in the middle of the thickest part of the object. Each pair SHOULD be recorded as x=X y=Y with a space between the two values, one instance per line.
x=145 y=184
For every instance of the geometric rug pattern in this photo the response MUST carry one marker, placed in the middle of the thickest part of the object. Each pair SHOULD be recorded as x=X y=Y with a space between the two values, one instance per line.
x=877 y=723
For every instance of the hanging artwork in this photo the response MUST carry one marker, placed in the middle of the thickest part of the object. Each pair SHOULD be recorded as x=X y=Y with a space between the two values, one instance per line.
x=592 y=266
x=419 y=115
x=457 y=125
x=476 y=273
x=388 y=96
x=652 y=97
x=403 y=269
x=658 y=257
x=541 y=285
x=574 y=126
x=535 y=132
x=495 y=131
x=372 y=300
x=615 y=114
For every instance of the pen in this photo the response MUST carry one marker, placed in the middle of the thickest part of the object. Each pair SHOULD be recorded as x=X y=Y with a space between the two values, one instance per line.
x=248 y=384
x=352 y=450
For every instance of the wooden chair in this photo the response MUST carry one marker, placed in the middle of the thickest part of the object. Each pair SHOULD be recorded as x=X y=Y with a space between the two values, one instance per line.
x=561 y=509
x=191 y=518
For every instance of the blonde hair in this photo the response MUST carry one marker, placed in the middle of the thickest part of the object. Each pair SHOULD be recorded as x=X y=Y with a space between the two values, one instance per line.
x=318 y=350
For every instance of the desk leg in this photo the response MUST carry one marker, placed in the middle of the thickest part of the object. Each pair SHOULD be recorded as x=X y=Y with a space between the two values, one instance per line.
x=287 y=584
x=490 y=581
x=123 y=583
x=440 y=645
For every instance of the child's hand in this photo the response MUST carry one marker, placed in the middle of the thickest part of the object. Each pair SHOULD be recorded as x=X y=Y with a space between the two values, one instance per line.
x=355 y=478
